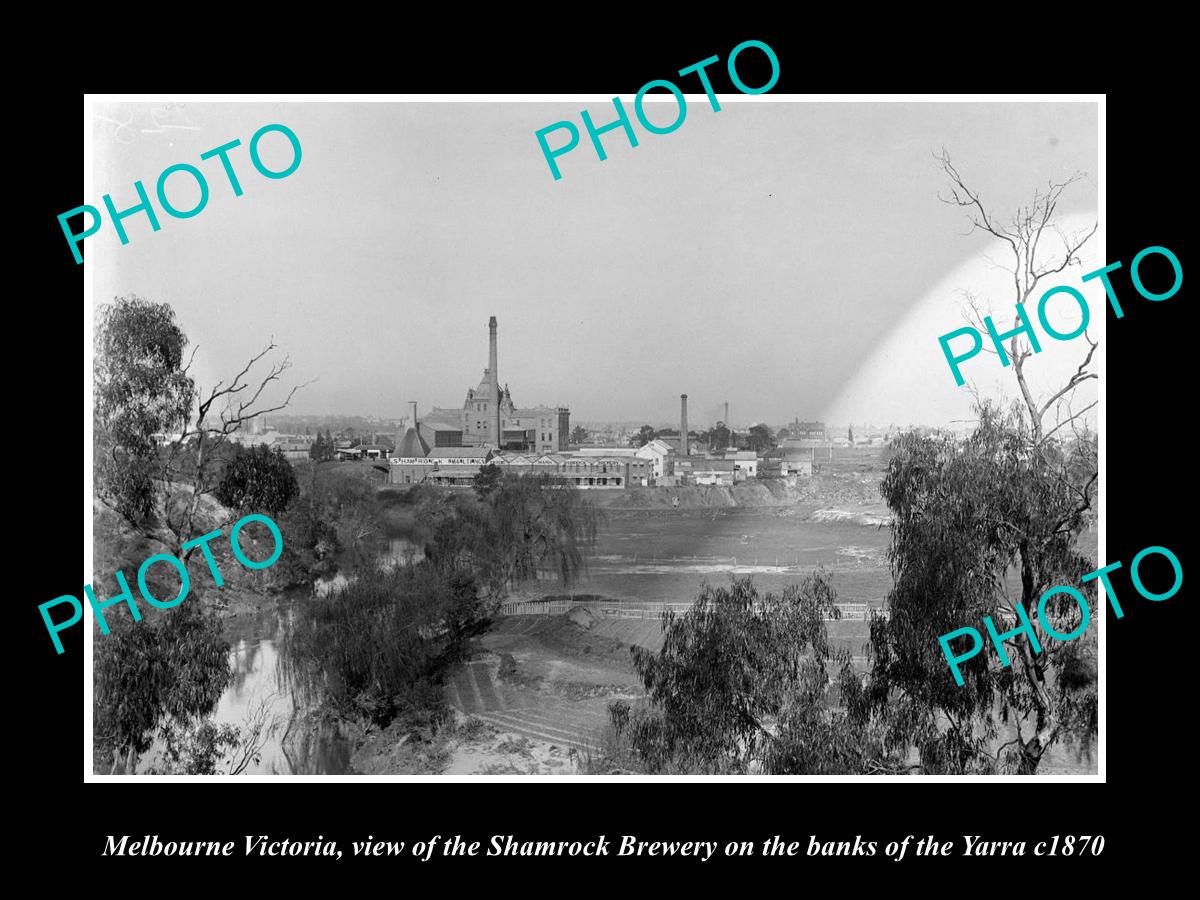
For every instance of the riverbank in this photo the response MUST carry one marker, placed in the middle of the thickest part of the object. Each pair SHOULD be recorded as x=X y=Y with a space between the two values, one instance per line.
x=469 y=746
x=532 y=699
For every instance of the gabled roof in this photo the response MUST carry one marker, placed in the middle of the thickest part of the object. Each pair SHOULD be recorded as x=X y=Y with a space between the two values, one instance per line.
x=516 y=459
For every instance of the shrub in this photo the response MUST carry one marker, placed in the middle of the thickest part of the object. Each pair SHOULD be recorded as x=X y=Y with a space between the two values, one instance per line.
x=741 y=684
x=258 y=480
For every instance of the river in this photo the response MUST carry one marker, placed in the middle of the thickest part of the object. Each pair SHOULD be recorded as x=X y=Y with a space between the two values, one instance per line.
x=629 y=562
x=257 y=693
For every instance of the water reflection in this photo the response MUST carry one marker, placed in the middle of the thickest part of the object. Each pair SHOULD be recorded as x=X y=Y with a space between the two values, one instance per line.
x=398 y=551
x=257 y=688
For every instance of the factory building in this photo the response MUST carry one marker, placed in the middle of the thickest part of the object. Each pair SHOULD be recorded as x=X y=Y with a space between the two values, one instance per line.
x=449 y=446
x=489 y=418
x=457 y=467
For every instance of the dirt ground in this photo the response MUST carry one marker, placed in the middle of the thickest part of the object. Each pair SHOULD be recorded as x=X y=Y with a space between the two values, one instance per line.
x=551 y=678
x=532 y=701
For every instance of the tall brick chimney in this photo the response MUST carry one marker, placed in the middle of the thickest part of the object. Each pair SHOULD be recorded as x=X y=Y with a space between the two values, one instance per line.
x=726 y=414
x=683 y=434
x=412 y=413
x=492 y=367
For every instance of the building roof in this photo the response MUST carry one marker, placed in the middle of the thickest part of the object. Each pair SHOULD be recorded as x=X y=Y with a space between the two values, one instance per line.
x=700 y=464
x=436 y=425
x=458 y=453
x=603 y=451
x=509 y=458
x=412 y=445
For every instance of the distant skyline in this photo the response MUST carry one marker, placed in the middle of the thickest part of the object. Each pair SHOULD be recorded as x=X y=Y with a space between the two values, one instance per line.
x=792 y=259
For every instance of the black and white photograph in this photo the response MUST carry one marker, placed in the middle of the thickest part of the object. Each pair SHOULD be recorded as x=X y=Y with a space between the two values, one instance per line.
x=532 y=438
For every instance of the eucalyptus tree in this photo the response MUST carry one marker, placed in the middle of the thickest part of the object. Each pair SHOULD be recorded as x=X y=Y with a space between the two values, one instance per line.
x=985 y=527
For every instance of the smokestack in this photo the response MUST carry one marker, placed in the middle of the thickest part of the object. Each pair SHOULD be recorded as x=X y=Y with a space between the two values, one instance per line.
x=726 y=413
x=683 y=435
x=492 y=367
x=412 y=413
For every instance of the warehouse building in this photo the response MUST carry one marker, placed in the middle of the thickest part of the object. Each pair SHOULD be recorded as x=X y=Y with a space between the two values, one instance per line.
x=457 y=467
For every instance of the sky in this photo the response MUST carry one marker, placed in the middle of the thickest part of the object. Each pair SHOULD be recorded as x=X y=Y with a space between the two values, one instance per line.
x=791 y=259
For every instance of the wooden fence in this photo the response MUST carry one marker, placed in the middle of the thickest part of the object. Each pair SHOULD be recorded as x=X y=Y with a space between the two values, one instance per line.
x=641 y=609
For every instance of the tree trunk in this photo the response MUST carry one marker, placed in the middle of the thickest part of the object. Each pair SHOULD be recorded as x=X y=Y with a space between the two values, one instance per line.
x=1034 y=671
x=1030 y=757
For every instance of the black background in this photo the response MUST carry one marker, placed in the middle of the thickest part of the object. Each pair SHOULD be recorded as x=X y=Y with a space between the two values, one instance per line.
x=1148 y=462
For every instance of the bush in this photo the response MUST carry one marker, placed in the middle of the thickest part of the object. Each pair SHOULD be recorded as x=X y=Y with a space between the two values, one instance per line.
x=170 y=668
x=258 y=480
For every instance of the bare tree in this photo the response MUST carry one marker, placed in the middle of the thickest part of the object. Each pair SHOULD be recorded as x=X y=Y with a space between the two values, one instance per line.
x=1031 y=261
x=143 y=390
x=220 y=412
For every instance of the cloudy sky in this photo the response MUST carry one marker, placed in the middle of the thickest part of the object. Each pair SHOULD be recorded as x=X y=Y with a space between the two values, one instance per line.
x=790 y=258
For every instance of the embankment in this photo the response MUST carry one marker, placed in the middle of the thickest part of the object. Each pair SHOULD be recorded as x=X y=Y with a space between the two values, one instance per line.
x=774 y=492
x=823 y=488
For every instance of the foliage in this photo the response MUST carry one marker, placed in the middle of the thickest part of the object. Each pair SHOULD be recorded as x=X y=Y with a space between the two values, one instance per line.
x=173 y=665
x=984 y=527
x=579 y=434
x=741 y=684
x=205 y=748
x=978 y=527
x=170 y=668
x=141 y=388
x=336 y=513
x=198 y=750
x=720 y=437
x=527 y=526
x=380 y=646
x=258 y=480
x=487 y=479
x=644 y=436
x=760 y=439
x=322 y=449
